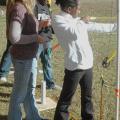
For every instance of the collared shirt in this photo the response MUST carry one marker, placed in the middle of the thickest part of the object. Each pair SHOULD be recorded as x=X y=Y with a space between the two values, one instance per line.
x=72 y=34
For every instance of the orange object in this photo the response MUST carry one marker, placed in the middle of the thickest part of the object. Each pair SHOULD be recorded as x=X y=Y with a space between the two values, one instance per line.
x=117 y=92
x=55 y=47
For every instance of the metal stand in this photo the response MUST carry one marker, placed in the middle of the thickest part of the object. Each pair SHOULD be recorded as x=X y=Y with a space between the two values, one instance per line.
x=45 y=103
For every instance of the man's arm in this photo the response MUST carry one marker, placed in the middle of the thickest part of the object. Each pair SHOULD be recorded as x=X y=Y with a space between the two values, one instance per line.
x=101 y=27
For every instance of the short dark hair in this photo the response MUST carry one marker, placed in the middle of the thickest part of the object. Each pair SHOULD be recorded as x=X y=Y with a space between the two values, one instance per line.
x=67 y=3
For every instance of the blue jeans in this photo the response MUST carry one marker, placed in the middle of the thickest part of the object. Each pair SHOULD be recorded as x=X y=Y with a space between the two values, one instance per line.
x=5 y=61
x=45 y=55
x=24 y=90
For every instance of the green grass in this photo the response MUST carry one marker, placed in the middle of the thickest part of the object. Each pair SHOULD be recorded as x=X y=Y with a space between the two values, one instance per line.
x=102 y=44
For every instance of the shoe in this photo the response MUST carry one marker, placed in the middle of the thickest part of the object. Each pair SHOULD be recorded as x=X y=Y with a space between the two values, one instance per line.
x=3 y=79
x=50 y=85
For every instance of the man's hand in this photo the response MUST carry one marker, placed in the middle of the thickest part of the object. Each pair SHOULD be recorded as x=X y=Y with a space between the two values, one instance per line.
x=86 y=19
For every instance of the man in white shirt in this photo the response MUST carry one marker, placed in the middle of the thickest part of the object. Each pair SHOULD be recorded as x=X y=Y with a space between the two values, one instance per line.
x=72 y=34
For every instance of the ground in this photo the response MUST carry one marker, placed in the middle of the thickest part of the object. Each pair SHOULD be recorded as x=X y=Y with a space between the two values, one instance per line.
x=103 y=44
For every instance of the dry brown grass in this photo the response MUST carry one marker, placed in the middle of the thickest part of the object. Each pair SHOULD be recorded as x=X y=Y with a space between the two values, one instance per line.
x=102 y=45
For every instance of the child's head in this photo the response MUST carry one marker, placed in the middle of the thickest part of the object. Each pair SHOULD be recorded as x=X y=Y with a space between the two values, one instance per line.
x=69 y=6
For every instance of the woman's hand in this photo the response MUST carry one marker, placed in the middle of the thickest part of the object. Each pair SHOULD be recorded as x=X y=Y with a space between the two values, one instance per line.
x=40 y=39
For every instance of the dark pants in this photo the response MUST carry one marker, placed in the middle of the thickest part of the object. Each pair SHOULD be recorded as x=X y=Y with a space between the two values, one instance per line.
x=6 y=62
x=71 y=80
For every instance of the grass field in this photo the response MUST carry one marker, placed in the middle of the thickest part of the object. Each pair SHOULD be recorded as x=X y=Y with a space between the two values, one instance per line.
x=102 y=44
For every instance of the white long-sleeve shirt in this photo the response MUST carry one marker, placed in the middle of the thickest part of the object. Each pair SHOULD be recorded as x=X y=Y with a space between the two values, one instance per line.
x=72 y=34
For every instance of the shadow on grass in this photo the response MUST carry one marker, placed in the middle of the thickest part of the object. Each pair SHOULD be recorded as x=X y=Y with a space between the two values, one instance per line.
x=6 y=84
x=4 y=95
x=4 y=101
x=3 y=117
x=38 y=86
